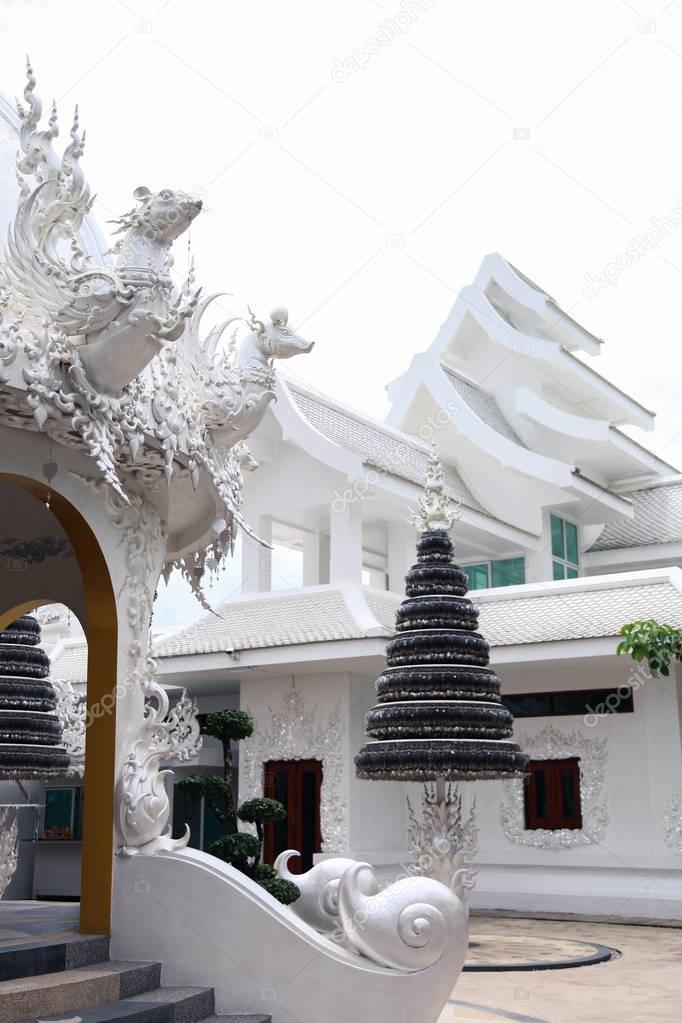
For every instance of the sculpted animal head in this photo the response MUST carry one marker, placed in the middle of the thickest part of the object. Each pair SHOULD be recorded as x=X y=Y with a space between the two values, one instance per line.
x=162 y=216
x=276 y=340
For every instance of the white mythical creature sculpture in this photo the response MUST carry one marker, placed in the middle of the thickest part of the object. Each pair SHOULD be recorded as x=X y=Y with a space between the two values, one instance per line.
x=122 y=314
x=239 y=385
x=406 y=926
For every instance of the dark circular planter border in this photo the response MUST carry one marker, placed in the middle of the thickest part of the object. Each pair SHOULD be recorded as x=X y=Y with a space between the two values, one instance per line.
x=600 y=954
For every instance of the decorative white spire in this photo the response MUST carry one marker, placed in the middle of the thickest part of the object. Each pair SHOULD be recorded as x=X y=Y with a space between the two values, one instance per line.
x=436 y=510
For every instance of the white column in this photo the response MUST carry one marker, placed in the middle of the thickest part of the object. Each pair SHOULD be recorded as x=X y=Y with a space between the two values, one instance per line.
x=256 y=559
x=345 y=543
x=312 y=550
x=402 y=554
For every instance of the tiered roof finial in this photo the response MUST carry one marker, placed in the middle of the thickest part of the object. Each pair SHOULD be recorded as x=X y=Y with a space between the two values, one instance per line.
x=436 y=510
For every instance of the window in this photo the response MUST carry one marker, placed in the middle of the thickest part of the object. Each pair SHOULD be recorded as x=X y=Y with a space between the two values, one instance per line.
x=502 y=572
x=63 y=815
x=565 y=553
x=571 y=701
x=552 y=794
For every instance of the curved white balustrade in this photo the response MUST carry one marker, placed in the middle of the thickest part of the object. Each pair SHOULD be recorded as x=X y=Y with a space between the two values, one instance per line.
x=211 y=925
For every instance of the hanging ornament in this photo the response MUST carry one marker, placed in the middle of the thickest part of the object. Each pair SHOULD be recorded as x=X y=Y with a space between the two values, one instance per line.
x=50 y=469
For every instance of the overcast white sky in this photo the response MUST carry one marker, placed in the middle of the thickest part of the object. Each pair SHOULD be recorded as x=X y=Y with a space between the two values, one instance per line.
x=358 y=159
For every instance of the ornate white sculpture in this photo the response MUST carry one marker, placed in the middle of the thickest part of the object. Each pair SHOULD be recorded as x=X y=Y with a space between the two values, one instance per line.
x=9 y=846
x=436 y=510
x=124 y=314
x=318 y=904
x=297 y=734
x=442 y=843
x=113 y=353
x=672 y=823
x=406 y=926
x=551 y=744
x=144 y=807
x=70 y=710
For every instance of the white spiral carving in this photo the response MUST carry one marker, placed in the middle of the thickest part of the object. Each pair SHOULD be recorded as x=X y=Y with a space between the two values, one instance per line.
x=407 y=926
x=319 y=888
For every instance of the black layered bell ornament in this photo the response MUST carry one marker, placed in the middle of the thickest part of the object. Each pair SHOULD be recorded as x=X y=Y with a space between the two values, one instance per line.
x=439 y=714
x=30 y=730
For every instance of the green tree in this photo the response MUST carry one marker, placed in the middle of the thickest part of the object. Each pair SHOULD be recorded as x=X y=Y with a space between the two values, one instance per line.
x=650 y=641
x=242 y=850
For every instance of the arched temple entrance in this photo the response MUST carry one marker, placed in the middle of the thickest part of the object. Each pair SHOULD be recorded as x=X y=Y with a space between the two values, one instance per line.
x=99 y=619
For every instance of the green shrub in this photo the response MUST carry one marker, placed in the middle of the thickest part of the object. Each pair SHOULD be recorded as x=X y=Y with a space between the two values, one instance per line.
x=285 y=892
x=649 y=641
x=241 y=850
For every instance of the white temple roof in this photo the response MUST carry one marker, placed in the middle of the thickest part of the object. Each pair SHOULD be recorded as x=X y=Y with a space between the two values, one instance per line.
x=379 y=446
x=590 y=607
x=69 y=660
x=657 y=519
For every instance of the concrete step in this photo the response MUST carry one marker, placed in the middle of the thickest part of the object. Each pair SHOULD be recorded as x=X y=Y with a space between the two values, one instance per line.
x=161 y=1005
x=69 y=991
x=238 y=1017
x=28 y=959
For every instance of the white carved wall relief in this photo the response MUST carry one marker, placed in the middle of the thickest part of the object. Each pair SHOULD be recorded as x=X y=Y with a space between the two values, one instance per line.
x=295 y=733
x=551 y=744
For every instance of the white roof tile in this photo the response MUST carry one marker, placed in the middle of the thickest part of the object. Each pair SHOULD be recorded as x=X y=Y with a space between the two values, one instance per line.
x=380 y=447
x=581 y=614
x=313 y=616
x=69 y=660
x=657 y=519
x=483 y=405
x=587 y=610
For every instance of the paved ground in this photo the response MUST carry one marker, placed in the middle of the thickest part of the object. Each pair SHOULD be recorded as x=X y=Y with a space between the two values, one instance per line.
x=643 y=985
x=28 y=921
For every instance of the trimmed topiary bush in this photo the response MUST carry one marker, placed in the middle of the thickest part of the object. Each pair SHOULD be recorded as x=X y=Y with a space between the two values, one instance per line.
x=242 y=850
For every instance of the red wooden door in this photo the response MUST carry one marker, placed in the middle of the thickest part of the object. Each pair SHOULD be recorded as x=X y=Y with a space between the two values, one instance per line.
x=296 y=784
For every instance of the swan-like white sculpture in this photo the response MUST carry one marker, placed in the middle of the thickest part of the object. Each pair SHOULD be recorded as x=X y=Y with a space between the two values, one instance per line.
x=402 y=952
x=406 y=926
x=318 y=904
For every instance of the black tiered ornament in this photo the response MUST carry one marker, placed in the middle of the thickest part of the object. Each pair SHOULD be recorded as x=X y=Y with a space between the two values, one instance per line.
x=439 y=716
x=30 y=731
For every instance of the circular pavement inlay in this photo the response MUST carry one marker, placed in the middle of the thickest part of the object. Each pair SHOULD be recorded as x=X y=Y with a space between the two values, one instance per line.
x=499 y=952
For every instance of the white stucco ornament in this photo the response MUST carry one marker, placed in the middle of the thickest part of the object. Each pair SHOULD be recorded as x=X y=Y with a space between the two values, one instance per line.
x=295 y=733
x=105 y=352
x=551 y=744
x=672 y=823
x=436 y=510
x=406 y=926
x=9 y=846
x=144 y=807
x=441 y=842
x=71 y=711
x=318 y=904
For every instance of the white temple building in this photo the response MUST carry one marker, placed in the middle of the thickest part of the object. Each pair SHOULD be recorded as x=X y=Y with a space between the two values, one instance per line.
x=568 y=529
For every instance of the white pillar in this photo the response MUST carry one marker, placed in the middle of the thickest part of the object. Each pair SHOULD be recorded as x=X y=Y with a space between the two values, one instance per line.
x=345 y=543
x=402 y=554
x=256 y=559
x=313 y=552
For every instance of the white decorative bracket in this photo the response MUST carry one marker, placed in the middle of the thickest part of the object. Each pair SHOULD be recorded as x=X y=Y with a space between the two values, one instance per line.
x=442 y=843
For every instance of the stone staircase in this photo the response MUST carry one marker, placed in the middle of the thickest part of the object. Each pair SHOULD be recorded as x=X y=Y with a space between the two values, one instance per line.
x=72 y=980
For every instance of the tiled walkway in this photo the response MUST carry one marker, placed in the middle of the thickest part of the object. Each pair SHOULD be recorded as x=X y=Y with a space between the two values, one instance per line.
x=22 y=922
x=643 y=985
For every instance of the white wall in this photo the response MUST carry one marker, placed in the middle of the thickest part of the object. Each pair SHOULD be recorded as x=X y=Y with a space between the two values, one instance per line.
x=630 y=871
